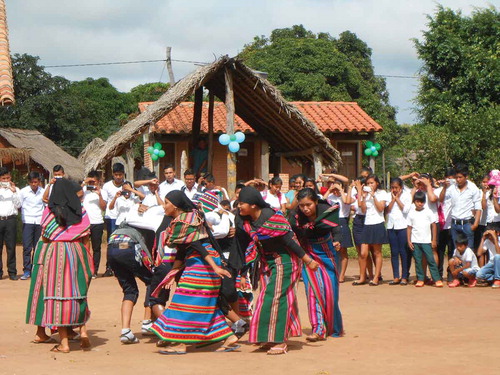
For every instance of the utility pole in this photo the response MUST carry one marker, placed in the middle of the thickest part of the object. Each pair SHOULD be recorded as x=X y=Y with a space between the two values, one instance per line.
x=169 y=66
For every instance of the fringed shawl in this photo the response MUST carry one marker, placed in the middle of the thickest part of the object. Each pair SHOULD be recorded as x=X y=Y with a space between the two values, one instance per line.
x=186 y=228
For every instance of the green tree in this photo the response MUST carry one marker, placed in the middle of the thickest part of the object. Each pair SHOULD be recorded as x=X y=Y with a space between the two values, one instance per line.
x=460 y=86
x=148 y=92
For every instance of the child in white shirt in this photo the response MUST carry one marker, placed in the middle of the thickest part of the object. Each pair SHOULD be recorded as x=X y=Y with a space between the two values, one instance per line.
x=490 y=243
x=464 y=264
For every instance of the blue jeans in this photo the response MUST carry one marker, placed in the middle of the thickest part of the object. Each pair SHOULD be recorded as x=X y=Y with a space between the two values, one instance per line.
x=31 y=235
x=399 y=249
x=465 y=229
x=491 y=271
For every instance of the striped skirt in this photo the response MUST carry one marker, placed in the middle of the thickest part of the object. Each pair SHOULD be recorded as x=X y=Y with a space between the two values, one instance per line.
x=276 y=313
x=322 y=289
x=193 y=315
x=59 y=283
x=245 y=298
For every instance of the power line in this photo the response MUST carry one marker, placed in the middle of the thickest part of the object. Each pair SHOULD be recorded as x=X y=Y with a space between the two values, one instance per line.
x=122 y=63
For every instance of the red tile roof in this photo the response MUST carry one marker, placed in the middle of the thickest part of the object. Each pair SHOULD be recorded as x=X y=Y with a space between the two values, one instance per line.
x=335 y=117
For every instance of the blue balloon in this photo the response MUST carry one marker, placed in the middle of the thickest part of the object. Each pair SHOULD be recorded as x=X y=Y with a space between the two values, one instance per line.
x=373 y=148
x=156 y=151
x=240 y=137
x=224 y=139
x=234 y=147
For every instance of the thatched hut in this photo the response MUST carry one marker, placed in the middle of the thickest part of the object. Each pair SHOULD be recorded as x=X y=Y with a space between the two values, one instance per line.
x=29 y=150
x=287 y=131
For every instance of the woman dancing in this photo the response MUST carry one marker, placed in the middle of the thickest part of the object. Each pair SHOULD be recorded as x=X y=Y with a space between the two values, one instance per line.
x=313 y=223
x=271 y=245
x=193 y=315
x=62 y=268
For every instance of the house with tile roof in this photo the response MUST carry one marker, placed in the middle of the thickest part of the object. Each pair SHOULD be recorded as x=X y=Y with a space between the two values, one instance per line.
x=345 y=124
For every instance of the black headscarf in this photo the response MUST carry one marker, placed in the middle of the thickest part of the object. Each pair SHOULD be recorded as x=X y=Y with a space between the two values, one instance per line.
x=64 y=203
x=251 y=195
x=180 y=200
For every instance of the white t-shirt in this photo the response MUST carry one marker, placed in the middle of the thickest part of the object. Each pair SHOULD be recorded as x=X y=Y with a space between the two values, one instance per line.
x=275 y=201
x=357 y=209
x=122 y=207
x=490 y=246
x=150 y=199
x=166 y=188
x=445 y=207
x=108 y=192
x=467 y=256
x=396 y=218
x=91 y=205
x=492 y=215
x=374 y=216
x=345 y=209
x=431 y=206
x=420 y=222
x=32 y=205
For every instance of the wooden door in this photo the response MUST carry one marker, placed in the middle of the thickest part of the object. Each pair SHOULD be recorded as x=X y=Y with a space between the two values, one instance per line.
x=245 y=162
x=349 y=154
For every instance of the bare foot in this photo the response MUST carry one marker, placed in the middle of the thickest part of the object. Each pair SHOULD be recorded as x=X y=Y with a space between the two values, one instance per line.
x=231 y=340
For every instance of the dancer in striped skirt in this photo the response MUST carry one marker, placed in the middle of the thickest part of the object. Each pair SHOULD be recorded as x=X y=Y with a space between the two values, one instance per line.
x=271 y=245
x=313 y=222
x=193 y=315
x=62 y=268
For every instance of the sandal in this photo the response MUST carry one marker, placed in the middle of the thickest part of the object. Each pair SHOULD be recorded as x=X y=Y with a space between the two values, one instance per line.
x=172 y=351
x=438 y=284
x=373 y=283
x=356 y=283
x=57 y=349
x=50 y=340
x=395 y=282
x=266 y=346
x=227 y=348
x=277 y=350
x=314 y=337
x=403 y=282
x=128 y=338
x=419 y=284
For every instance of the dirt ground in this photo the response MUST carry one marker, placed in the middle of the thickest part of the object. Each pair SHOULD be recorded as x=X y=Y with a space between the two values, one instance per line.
x=389 y=330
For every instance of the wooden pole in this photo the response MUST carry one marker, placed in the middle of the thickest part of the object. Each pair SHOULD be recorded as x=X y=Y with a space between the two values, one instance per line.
x=210 y=132
x=231 y=158
x=318 y=165
x=264 y=160
x=169 y=66
x=198 y=107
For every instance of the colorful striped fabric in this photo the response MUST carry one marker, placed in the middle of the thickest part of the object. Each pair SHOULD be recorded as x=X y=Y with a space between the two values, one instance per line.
x=322 y=288
x=245 y=298
x=52 y=231
x=186 y=228
x=193 y=315
x=61 y=276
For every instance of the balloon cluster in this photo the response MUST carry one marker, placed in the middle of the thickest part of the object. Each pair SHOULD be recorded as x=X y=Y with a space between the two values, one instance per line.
x=232 y=141
x=155 y=151
x=372 y=149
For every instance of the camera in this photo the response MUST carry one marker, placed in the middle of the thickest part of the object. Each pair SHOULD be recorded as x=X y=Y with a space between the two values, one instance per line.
x=367 y=189
x=5 y=184
x=125 y=193
x=91 y=187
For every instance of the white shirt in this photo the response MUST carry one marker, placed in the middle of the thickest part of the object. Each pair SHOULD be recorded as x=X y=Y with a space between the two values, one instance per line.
x=221 y=228
x=396 y=218
x=492 y=215
x=467 y=256
x=463 y=202
x=420 y=222
x=122 y=207
x=490 y=246
x=91 y=205
x=150 y=199
x=190 y=193
x=484 y=215
x=32 y=204
x=354 y=194
x=374 y=216
x=430 y=205
x=10 y=202
x=445 y=207
x=344 y=209
x=166 y=188
x=108 y=192
x=275 y=201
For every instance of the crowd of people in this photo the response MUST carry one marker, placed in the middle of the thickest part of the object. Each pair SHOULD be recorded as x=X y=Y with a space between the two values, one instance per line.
x=218 y=250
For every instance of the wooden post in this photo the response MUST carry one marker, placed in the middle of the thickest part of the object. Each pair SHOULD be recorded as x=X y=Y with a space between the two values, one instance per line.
x=198 y=107
x=169 y=66
x=210 y=160
x=264 y=160
x=318 y=165
x=372 y=163
x=184 y=162
x=231 y=158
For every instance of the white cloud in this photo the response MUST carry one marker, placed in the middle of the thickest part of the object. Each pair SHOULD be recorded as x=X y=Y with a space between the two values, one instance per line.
x=63 y=32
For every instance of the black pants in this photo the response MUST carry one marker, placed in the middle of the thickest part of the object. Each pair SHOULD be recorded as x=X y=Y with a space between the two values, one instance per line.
x=96 y=231
x=444 y=241
x=8 y=231
x=31 y=235
x=110 y=228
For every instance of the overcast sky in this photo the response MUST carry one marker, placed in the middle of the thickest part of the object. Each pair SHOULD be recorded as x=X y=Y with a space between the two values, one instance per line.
x=91 y=31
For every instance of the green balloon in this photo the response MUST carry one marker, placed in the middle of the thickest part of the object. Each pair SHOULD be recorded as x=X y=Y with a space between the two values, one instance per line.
x=368 y=144
x=232 y=137
x=158 y=146
x=150 y=149
x=161 y=153
x=375 y=153
x=377 y=146
x=368 y=151
x=154 y=157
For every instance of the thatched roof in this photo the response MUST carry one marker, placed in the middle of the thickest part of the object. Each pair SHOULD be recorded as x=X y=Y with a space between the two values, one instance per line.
x=257 y=102
x=6 y=81
x=43 y=151
x=90 y=149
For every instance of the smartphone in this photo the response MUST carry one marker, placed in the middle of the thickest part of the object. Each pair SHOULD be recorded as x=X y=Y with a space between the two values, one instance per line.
x=367 y=189
x=452 y=181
